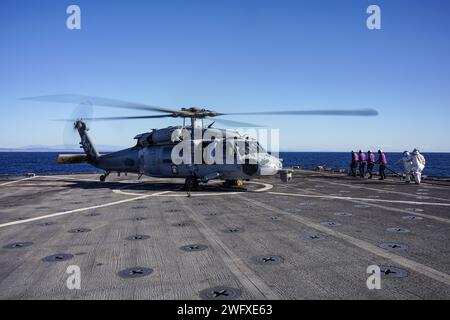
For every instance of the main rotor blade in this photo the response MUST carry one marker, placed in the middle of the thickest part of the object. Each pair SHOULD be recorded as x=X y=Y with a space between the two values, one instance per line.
x=349 y=112
x=236 y=124
x=120 y=118
x=104 y=102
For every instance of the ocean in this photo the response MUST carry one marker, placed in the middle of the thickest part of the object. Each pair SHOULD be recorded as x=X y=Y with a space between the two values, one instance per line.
x=438 y=164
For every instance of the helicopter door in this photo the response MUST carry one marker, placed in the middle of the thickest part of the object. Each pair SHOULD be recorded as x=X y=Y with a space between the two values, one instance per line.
x=151 y=166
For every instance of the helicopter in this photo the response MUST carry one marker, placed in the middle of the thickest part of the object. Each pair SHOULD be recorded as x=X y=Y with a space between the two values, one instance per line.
x=169 y=152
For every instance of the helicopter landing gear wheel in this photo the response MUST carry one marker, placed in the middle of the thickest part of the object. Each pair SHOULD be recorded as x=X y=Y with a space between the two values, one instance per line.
x=191 y=183
x=103 y=176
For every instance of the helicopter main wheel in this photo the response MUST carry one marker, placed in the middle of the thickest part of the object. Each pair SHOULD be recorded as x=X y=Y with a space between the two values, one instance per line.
x=103 y=176
x=191 y=183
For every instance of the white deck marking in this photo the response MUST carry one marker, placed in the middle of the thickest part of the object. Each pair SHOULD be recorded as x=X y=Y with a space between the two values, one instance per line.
x=266 y=187
x=11 y=182
x=249 y=279
x=12 y=223
x=410 y=264
x=365 y=201
x=380 y=190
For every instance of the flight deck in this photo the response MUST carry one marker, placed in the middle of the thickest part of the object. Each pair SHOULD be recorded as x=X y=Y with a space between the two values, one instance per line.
x=312 y=238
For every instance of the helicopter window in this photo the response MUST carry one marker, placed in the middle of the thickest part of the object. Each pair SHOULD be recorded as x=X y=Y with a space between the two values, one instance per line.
x=260 y=148
x=253 y=147
x=246 y=147
x=205 y=144
x=229 y=151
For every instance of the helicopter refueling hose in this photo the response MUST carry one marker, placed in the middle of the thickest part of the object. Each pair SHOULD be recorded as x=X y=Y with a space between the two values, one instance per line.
x=398 y=174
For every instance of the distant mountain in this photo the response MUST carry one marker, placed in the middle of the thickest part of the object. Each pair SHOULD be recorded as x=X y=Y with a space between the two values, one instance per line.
x=60 y=148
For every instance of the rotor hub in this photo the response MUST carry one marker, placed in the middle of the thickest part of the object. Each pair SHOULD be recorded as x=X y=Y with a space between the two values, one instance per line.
x=79 y=124
x=193 y=112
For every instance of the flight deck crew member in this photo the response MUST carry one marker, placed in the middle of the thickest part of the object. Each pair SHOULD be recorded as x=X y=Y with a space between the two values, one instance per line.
x=382 y=161
x=354 y=163
x=407 y=165
x=418 y=164
x=370 y=163
x=362 y=164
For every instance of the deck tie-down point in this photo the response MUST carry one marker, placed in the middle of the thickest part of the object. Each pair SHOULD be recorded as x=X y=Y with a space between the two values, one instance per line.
x=135 y=272
x=220 y=293
x=18 y=245
x=268 y=259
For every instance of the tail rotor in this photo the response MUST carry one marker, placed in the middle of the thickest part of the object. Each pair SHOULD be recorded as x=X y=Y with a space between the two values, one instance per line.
x=78 y=118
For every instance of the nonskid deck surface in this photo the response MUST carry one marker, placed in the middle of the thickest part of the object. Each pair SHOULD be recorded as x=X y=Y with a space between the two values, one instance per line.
x=313 y=238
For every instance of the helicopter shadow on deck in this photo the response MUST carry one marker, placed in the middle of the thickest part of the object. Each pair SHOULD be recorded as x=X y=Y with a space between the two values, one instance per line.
x=156 y=186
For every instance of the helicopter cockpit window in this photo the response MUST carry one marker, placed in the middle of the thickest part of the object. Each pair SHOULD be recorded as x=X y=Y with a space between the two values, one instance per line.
x=205 y=144
x=260 y=148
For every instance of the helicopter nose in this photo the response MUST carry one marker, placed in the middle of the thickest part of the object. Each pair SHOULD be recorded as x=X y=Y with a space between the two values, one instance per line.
x=269 y=166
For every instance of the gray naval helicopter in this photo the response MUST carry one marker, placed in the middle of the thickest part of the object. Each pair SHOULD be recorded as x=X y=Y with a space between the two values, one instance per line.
x=153 y=153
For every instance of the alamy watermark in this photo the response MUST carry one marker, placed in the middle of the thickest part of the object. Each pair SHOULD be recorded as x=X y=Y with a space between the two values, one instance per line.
x=222 y=146
x=374 y=280
x=73 y=21
x=73 y=282
x=373 y=22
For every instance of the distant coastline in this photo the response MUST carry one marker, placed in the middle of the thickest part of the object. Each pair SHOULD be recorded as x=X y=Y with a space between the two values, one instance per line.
x=109 y=148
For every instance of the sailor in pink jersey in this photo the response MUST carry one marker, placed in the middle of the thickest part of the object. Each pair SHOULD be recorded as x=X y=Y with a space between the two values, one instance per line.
x=362 y=164
x=370 y=163
x=382 y=161
x=354 y=163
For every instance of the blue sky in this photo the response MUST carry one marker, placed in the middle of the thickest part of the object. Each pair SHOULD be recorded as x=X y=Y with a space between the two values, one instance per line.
x=233 y=56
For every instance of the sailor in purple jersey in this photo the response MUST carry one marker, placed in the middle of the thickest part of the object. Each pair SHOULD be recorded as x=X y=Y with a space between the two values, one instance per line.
x=370 y=163
x=354 y=163
x=382 y=161
x=362 y=164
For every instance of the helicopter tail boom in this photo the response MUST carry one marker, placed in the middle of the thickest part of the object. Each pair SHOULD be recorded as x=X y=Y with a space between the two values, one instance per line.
x=71 y=158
